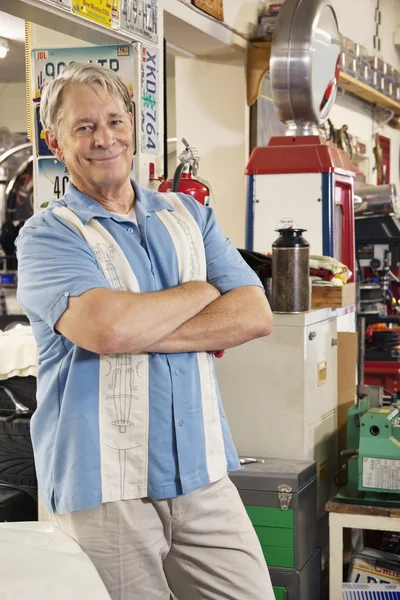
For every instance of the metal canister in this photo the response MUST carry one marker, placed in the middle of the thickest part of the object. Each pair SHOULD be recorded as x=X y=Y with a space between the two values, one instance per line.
x=290 y=272
x=371 y=299
x=376 y=199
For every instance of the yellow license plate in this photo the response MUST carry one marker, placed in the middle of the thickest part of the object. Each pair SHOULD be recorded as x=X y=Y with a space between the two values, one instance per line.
x=105 y=12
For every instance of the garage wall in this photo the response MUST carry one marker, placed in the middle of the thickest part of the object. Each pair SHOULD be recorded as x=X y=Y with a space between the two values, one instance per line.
x=171 y=117
x=356 y=21
x=13 y=107
x=240 y=16
x=361 y=120
x=210 y=96
x=13 y=95
x=210 y=99
x=212 y=115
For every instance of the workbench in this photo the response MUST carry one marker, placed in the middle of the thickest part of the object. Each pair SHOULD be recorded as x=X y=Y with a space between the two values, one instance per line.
x=353 y=516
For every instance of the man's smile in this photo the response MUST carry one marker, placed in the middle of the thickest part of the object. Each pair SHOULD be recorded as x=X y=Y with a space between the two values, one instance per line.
x=105 y=159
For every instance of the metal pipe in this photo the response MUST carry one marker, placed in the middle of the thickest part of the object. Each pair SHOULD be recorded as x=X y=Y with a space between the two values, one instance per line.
x=3 y=187
x=6 y=155
x=376 y=199
x=361 y=355
x=4 y=174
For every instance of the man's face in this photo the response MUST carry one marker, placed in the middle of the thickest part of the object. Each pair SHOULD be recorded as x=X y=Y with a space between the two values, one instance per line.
x=94 y=138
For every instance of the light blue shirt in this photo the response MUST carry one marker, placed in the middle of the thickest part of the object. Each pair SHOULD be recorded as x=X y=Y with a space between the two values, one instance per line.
x=55 y=263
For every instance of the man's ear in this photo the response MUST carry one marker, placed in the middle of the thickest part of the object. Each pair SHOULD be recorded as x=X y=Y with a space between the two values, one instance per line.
x=53 y=144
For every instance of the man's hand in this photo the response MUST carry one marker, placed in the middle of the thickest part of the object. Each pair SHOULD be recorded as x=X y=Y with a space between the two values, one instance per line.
x=217 y=353
x=107 y=322
x=241 y=315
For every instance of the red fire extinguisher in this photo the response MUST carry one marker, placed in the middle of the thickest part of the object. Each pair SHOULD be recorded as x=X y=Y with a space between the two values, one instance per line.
x=185 y=178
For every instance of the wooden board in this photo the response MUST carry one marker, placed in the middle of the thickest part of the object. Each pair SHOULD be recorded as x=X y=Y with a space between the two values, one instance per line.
x=360 y=509
x=368 y=93
x=324 y=296
x=258 y=55
x=215 y=8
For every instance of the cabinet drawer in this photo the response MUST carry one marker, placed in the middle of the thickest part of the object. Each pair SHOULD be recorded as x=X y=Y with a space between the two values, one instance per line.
x=279 y=537
x=270 y=517
x=280 y=593
x=279 y=557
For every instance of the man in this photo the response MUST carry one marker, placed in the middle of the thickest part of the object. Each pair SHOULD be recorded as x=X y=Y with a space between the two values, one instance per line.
x=129 y=293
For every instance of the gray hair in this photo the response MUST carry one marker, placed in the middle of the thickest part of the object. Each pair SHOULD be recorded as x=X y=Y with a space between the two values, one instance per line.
x=78 y=73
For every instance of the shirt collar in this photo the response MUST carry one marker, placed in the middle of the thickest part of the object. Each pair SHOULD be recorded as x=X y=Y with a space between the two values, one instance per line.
x=86 y=208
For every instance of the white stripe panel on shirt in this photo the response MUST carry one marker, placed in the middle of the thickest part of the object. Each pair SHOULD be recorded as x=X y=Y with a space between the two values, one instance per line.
x=189 y=244
x=187 y=239
x=123 y=382
x=214 y=441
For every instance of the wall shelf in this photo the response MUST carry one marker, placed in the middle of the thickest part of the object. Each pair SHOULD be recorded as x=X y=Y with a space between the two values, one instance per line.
x=368 y=93
x=258 y=55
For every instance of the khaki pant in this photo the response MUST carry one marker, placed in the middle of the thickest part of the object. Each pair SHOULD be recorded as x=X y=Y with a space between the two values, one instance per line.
x=201 y=546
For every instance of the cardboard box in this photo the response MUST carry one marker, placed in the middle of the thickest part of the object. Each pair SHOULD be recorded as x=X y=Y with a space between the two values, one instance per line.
x=347 y=384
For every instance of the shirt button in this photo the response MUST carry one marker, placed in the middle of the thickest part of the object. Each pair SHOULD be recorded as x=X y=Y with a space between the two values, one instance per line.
x=130 y=230
x=66 y=294
x=180 y=423
x=177 y=372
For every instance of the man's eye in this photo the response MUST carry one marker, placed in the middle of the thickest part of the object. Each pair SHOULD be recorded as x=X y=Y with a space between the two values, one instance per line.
x=116 y=122
x=84 y=128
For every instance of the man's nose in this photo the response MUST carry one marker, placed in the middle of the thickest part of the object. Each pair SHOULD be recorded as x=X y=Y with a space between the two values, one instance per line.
x=103 y=136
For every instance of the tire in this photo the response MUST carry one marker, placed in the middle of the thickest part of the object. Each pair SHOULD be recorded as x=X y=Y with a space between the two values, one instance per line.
x=16 y=505
x=22 y=388
x=16 y=454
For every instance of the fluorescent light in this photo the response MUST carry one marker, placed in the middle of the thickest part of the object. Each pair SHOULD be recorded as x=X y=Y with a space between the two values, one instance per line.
x=4 y=47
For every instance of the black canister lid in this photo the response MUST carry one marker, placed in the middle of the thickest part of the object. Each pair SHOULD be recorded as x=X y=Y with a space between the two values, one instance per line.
x=290 y=238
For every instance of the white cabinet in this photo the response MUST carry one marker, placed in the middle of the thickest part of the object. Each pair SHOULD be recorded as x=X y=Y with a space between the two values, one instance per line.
x=280 y=393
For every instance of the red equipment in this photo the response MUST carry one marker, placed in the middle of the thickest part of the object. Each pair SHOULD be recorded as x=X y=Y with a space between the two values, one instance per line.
x=189 y=185
x=383 y=373
x=281 y=176
x=185 y=178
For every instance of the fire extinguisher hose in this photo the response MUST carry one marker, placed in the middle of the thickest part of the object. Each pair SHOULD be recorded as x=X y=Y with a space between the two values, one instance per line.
x=177 y=177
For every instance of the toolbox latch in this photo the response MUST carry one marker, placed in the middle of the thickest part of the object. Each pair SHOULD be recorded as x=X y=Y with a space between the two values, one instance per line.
x=285 y=496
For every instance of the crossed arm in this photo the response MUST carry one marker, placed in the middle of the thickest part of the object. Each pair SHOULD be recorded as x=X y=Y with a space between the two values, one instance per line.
x=191 y=317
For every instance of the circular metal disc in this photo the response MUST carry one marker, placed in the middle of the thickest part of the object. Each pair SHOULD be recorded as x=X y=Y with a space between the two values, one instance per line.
x=304 y=66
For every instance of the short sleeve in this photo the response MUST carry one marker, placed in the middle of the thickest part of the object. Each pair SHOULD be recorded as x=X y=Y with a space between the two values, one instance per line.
x=54 y=263
x=226 y=269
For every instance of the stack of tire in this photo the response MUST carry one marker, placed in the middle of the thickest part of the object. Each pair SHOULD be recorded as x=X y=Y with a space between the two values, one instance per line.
x=383 y=345
x=18 y=484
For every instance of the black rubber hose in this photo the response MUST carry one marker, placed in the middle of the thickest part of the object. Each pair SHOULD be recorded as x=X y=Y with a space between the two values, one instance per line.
x=177 y=177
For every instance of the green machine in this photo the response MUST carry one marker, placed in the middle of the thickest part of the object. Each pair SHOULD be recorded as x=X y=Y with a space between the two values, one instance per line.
x=373 y=441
